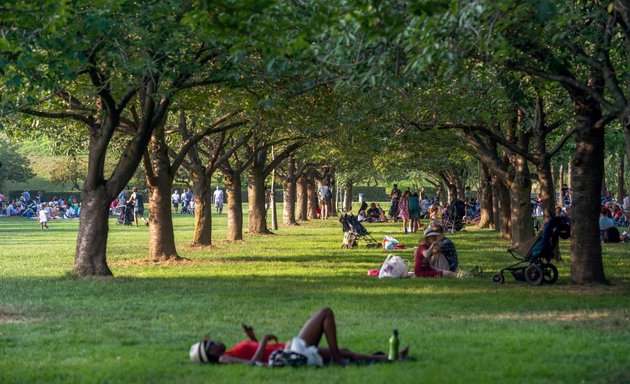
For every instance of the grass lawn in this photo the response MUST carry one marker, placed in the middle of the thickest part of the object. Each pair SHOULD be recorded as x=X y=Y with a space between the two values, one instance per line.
x=138 y=326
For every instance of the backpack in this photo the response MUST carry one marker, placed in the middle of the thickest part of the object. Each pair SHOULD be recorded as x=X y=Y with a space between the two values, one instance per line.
x=328 y=194
x=281 y=358
x=394 y=267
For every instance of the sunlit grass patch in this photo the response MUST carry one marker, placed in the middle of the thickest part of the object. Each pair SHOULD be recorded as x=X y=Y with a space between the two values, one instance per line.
x=138 y=326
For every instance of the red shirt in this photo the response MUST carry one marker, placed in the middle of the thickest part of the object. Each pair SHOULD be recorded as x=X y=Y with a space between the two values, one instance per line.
x=246 y=349
x=421 y=268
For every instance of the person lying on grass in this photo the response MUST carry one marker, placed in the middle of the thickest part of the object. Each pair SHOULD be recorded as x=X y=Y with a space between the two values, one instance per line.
x=252 y=352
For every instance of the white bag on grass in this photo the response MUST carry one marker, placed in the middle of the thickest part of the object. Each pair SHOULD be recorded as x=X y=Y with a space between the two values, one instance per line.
x=394 y=267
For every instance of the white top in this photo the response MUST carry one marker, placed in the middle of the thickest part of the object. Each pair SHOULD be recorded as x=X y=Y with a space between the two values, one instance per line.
x=218 y=195
x=43 y=216
x=175 y=197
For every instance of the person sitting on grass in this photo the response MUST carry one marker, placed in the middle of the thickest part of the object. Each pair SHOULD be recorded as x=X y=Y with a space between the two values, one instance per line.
x=252 y=352
x=427 y=255
x=441 y=250
x=373 y=213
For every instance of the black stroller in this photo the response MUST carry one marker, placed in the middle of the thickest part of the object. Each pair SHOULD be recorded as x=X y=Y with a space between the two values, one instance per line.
x=534 y=257
x=125 y=215
x=353 y=231
x=455 y=216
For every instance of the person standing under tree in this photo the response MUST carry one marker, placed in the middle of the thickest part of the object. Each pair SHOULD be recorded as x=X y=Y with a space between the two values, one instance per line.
x=324 y=193
x=137 y=202
x=217 y=196
x=175 y=197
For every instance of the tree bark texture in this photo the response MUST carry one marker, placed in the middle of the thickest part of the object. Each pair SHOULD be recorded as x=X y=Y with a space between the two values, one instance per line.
x=302 y=198
x=256 y=213
x=288 y=194
x=588 y=170
x=347 y=196
x=621 y=190
x=91 y=251
x=160 y=179
x=312 y=198
x=161 y=235
x=202 y=234
x=486 y=219
x=234 y=206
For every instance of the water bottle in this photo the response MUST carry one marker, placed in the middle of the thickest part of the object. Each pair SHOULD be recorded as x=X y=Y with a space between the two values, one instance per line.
x=393 y=346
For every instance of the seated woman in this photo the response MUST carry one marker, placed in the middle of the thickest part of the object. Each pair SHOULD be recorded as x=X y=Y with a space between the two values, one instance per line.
x=443 y=252
x=251 y=352
x=608 y=232
x=430 y=261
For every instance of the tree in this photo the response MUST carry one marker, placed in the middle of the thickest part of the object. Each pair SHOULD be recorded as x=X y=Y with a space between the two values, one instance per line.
x=68 y=171
x=13 y=165
x=116 y=66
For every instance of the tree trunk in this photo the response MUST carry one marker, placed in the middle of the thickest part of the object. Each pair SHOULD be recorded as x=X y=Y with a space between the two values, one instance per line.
x=272 y=203
x=332 y=203
x=347 y=196
x=161 y=235
x=312 y=199
x=160 y=179
x=234 y=206
x=202 y=235
x=288 y=211
x=505 y=212
x=256 y=213
x=302 y=199
x=588 y=170
x=621 y=190
x=548 y=201
x=520 y=204
x=90 y=258
x=561 y=182
x=496 y=210
x=485 y=204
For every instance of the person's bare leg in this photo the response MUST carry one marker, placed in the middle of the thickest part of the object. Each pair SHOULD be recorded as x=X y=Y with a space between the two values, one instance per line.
x=322 y=323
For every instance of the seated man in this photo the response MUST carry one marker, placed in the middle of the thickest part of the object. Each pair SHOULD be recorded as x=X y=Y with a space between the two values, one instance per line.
x=373 y=213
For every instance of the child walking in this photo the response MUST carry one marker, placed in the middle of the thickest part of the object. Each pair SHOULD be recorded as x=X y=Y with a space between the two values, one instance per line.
x=43 y=216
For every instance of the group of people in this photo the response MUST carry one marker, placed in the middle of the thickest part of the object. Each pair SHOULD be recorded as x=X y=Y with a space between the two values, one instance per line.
x=38 y=207
x=185 y=199
x=611 y=216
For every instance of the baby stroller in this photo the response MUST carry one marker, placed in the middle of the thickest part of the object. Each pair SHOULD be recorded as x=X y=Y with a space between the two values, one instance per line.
x=125 y=215
x=353 y=231
x=454 y=220
x=534 y=257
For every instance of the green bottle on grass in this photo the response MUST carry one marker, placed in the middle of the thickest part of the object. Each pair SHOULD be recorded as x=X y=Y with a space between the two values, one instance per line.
x=393 y=346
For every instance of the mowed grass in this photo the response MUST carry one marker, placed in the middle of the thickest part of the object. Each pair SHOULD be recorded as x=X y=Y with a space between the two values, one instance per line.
x=138 y=326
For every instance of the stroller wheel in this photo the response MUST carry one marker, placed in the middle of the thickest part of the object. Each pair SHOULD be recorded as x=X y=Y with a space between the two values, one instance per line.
x=533 y=274
x=550 y=273
x=498 y=278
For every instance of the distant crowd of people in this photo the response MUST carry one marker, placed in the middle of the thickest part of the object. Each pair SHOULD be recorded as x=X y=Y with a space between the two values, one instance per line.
x=39 y=207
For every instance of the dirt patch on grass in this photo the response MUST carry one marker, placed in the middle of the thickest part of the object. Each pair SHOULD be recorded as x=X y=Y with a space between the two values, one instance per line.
x=179 y=262
x=11 y=317
x=609 y=319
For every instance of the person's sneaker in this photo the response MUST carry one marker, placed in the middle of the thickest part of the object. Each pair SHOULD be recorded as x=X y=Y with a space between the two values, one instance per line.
x=464 y=274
